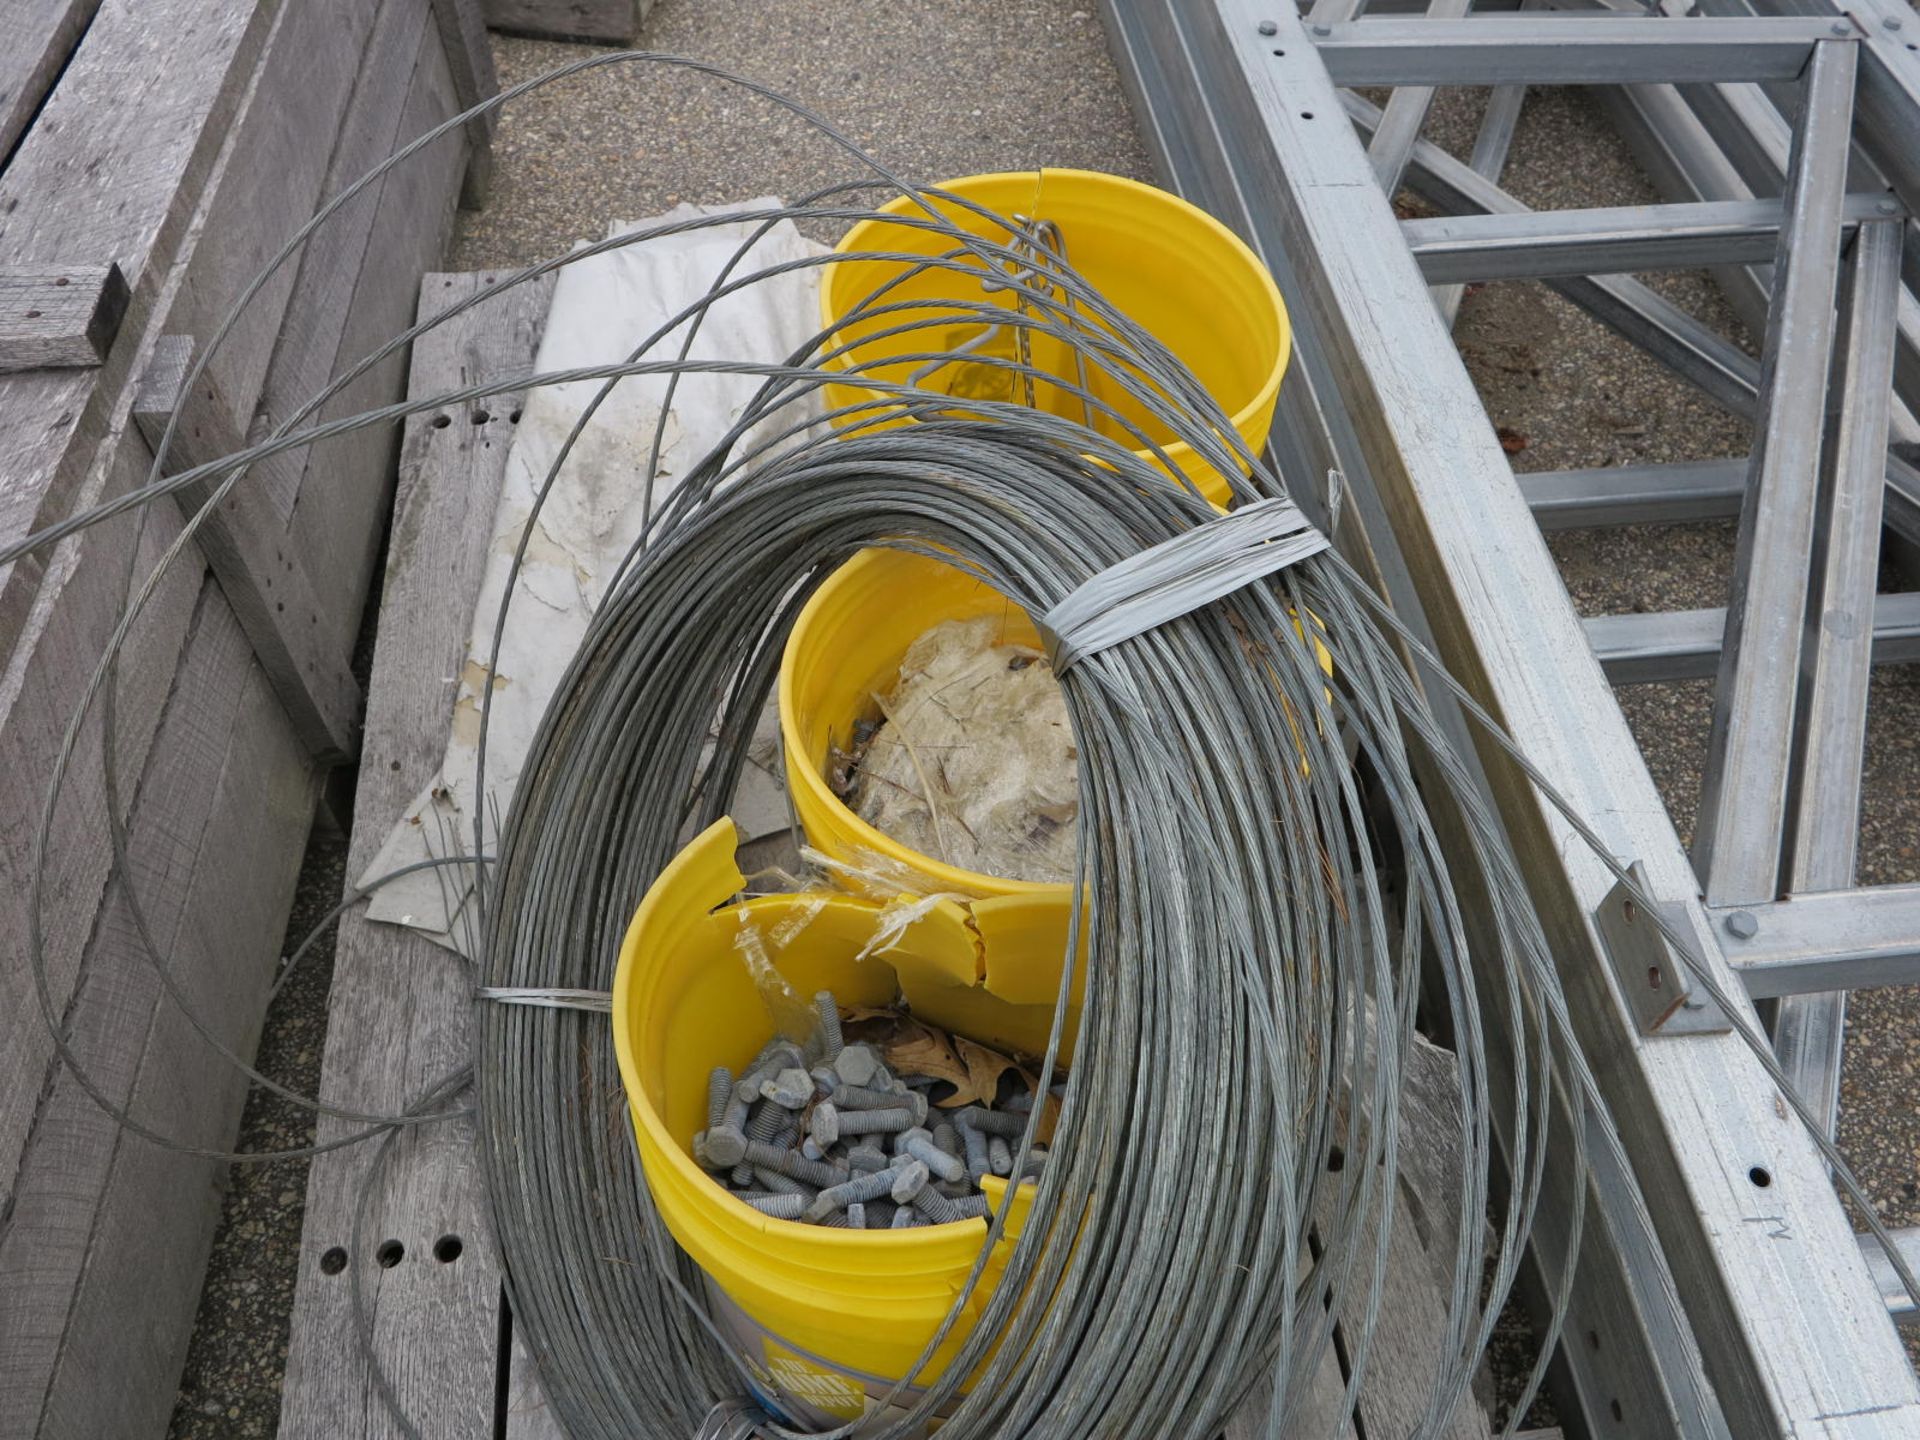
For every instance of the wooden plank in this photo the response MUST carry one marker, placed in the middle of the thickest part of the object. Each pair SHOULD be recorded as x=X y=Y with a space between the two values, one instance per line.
x=41 y=35
x=213 y=843
x=268 y=181
x=79 y=604
x=134 y=1312
x=60 y=316
x=526 y=1413
x=264 y=580
x=610 y=21
x=331 y=264
x=399 y=1013
x=344 y=493
x=463 y=31
x=112 y=169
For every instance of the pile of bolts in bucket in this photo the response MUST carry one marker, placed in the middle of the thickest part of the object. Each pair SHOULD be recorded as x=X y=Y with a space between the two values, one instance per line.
x=849 y=1145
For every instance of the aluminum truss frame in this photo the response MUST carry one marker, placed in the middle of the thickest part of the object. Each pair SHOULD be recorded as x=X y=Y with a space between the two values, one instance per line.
x=1741 y=1305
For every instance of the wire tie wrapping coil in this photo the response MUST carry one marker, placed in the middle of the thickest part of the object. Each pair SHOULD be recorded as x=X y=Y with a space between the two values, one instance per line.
x=548 y=997
x=1177 y=577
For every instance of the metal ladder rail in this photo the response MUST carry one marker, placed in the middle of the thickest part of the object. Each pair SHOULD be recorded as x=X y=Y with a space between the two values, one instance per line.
x=1423 y=52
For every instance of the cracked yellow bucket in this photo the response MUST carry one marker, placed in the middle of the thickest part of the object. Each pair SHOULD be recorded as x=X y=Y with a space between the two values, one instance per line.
x=1173 y=269
x=834 y=1316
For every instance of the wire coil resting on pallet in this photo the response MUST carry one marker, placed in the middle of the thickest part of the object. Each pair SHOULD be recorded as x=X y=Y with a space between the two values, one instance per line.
x=1267 y=917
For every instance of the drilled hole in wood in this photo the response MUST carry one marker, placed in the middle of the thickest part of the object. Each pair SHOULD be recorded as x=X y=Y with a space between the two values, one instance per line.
x=1760 y=1176
x=389 y=1254
x=1618 y=1414
x=333 y=1261
x=1593 y=1339
x=480 y=417
x=514 y=418
x=1653 y=977
x=1627 y=909
x=33 y=315
x=1336 y=1159
x=447 y=1249
x=1306 y=114
x=440 y=422
x=61 y=281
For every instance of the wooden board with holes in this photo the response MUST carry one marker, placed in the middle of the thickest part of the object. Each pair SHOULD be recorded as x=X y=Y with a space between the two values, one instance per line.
x=400 y=1014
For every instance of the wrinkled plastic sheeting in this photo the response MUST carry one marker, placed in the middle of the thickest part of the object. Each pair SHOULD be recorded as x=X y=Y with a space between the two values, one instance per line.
x=974 y=761
x=603 y=308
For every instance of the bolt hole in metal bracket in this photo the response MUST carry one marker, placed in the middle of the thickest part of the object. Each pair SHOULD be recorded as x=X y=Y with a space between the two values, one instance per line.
x=1654 y=979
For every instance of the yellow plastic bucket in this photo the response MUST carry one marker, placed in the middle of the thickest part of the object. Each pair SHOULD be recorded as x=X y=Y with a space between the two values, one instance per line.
x=1167 y=265
x=845 y=648
x=837 y=1315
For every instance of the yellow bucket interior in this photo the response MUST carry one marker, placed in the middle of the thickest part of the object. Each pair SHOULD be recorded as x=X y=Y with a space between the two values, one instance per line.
x=864 y=1303
x=1170 y=267
x=845 y=648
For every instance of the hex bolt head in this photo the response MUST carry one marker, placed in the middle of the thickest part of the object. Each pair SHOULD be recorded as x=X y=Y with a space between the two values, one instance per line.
x=856 y=1064
x=909 y=1181
x=1893 y=22
x=1742 y=925
x=726 y=1146
x=790 y=1089
x=1842 y=28
x=825 y=1082
x=1888 y=207
x=857 y=1216
x=905 y=1218
x=1267 y=27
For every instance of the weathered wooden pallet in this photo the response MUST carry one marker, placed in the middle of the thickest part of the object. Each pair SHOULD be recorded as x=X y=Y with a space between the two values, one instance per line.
x=177 y=144
x=608 y=21
x=400 y=1015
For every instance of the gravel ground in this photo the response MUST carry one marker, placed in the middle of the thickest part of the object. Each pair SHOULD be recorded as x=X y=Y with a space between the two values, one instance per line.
x=940 y=90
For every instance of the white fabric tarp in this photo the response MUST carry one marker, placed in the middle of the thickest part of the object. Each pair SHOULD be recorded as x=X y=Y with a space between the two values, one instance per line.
x=603 y=307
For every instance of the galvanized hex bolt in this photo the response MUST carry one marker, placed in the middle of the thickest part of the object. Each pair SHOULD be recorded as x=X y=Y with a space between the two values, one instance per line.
x=856 y=1064
x=825 y=1082
x=1842 y=28
x=829 y=1009
x=818 y=1173
x=1323 y=29
x=780 y=1207
x=857 y=1216
x=742 y=1174
x=937 y=1208
x=997 y=1122
x=726 y=1145
x=790 y=1089
x=947 y=1138
x=999 y=1156
x=811 y=1150
x=970 y=1207
x=829 y=1123
x=719 y=1091
x=778 y=1184
x=767 y=1120
x=905 y=1218
x=1893 y=22
x=909 y=1180
x=860 y=1097
x=865 y=1159
x=976 y=1146
x=781 y=1055
x=860 y=1187
x=1267 y=27
x=921 y=1147
x=1742 y=925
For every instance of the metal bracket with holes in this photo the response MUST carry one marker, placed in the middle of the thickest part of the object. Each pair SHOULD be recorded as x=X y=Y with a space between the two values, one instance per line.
x=1653 y=977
